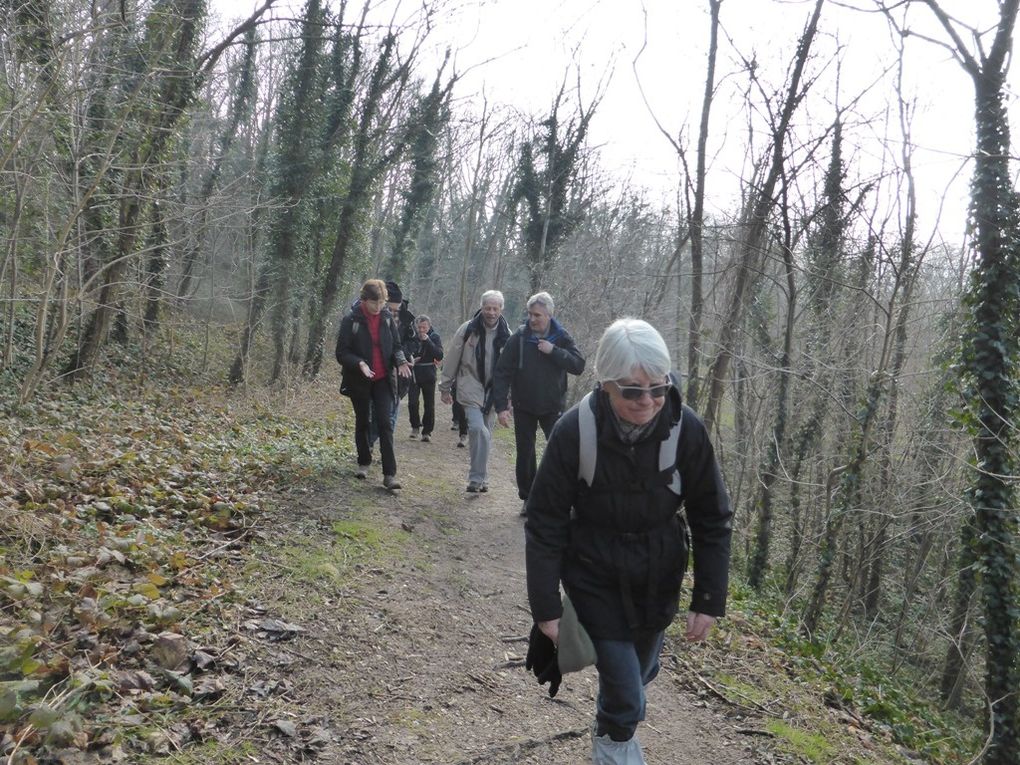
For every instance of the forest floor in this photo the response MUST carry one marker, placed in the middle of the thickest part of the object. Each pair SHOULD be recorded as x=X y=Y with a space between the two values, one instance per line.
x=342 y=623
x=418 y=657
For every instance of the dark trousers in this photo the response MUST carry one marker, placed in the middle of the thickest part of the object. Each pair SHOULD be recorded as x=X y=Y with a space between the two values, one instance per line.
x=460 y=417
x=427 y=389
x=525 y=431
x=380 y=396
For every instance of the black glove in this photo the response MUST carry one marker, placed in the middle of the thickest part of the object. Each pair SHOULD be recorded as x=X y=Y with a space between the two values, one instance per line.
x=542 y=661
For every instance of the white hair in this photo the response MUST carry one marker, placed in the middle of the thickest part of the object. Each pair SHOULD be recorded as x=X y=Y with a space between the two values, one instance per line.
x=629 y=344
x=491 y=295
x=543 y=299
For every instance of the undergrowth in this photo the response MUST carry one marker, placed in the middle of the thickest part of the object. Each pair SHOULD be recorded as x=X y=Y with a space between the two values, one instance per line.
x=122 y=499
x=852 y=684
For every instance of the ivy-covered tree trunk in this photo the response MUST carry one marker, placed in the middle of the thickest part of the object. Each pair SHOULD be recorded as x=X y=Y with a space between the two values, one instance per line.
x=367 y=165
x=771 y=466
x=992 y=368
x=172 y=36
x=547 y=182
x=428 y=120
x=992 y=363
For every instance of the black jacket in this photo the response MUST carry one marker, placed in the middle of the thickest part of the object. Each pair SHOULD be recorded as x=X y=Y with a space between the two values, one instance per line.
x=427 y=352
x=536 y=382
x=354 y=345
x=620 y=547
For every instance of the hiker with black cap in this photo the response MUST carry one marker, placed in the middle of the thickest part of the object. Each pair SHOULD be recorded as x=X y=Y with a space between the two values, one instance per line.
x=627 y=487
x=398 y=308
x=532 y=374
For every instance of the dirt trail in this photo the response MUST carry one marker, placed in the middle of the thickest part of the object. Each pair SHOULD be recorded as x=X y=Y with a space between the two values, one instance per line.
x=421 y=659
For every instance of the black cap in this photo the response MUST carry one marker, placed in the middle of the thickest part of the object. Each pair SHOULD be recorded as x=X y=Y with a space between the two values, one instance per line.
x=393 y=293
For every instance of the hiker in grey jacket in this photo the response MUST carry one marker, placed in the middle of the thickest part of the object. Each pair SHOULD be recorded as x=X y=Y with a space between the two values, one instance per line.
x=469 y=363
x=531 y=376
x=616 y=539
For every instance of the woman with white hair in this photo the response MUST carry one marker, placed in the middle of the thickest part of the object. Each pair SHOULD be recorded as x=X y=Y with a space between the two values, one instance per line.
x=627 y=475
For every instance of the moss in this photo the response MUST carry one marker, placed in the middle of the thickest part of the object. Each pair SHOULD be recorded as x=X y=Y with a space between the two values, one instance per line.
x=812 y=746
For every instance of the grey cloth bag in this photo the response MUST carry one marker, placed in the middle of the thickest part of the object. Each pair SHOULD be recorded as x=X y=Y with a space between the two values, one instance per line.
x=575 y=650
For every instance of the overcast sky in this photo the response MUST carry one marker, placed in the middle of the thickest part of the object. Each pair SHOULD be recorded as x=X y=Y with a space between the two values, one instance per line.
x=658 y=46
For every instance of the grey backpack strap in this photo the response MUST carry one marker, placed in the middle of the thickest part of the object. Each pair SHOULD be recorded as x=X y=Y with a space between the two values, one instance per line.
x=588 y=440
x=667 y=455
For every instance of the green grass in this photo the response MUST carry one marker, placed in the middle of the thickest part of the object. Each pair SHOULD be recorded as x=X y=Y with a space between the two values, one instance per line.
x=811 y=746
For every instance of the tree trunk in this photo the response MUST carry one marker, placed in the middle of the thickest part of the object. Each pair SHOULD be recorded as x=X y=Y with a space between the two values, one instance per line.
x=696 y=224
x=753 y=226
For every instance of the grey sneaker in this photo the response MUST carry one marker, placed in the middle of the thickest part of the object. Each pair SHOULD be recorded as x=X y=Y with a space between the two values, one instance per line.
x=462 y=442
x=425 y=438
x=361 y=472
x=473 y=487
x=390 y=482
x=414 y=433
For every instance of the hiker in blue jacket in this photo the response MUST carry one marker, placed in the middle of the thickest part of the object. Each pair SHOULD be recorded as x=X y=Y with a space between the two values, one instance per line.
x=531 y=377
x=608 y=518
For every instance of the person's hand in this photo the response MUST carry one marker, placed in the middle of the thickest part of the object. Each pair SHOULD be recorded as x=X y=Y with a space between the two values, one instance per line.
x=503 y=417
x=551 y=629
x=366 y=369
x=423 y=335
x=404 y=370
x=698 y=626
x=446 y=398
x=545 y=346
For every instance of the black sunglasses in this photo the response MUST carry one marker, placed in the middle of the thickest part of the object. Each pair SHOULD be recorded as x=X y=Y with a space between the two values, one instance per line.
x=635 y=392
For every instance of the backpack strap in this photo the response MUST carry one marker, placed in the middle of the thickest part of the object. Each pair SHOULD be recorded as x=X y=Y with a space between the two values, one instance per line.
x=588 y=447
x=588 y=444
x=667 y=455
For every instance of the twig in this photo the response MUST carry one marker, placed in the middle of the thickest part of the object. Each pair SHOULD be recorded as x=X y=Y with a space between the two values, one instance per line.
x=751 y=705
x=756 y=732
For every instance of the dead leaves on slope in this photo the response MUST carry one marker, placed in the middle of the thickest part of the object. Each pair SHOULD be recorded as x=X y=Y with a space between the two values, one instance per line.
x=120 y=525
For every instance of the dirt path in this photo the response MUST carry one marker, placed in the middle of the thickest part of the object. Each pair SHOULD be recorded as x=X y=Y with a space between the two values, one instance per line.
x=420 y=659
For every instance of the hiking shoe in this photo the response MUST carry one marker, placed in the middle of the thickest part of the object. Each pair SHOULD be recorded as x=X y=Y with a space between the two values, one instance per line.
x=425 y=438
x=361 y=472
x=473 y=487
x=390 y=482
x=462 y=442
x=483 y=486
x=414 y=433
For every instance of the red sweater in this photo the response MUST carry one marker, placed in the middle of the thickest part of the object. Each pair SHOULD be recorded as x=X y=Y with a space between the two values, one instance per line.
x=377 y=363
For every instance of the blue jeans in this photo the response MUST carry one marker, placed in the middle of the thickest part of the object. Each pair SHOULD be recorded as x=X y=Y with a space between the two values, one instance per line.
x=625 y=667
x=479 y=440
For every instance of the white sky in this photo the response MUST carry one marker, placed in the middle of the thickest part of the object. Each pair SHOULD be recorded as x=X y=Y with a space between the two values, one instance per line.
x=528 y=46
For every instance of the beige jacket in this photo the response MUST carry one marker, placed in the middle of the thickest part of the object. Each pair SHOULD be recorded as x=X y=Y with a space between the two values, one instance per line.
x=460 y=364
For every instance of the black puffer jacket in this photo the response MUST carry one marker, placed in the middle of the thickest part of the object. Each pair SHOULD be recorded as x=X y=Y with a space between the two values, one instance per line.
x=354 y=345
x=620 y=546
x=536 y=381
